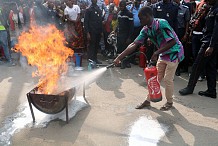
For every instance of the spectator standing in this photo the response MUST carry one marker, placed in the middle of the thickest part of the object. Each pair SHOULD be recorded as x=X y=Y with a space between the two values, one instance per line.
x=183 y=25
x=4 y=37
x=104 y=10
x=167 y=10
x=134 y=9
x=93 y=29
x=125 y=30
x=206 y=55
x=72 y=13
x=108 y=30
x=197 y=23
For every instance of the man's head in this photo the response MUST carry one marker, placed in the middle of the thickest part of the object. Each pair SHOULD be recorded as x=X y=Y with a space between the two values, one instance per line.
x=94 y=2
x=122 y=5
x=145 y=15
x=177 y=1
x=166 y=1
x=111 y=7
x=69 y=3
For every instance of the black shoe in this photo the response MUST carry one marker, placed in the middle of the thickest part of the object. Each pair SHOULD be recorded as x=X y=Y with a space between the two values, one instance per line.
x=98 y=62
x=123 y=66
x=128 y=65
x=207 y=94
x=104 y=53
x=186 y=91
x=134 y=62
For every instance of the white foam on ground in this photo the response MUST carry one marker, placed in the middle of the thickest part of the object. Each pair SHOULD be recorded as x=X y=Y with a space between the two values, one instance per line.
x=146 y=132
x=23 y=119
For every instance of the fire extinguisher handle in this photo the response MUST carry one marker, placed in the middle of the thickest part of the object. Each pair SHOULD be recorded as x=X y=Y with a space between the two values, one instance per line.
x=152 y=63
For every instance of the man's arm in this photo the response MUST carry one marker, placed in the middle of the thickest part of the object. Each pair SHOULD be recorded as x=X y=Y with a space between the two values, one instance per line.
x=187 y=19
x=214 y=37
x=133 y=46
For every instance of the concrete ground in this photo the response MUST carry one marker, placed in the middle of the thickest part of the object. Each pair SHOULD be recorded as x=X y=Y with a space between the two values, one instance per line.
x=106 y=122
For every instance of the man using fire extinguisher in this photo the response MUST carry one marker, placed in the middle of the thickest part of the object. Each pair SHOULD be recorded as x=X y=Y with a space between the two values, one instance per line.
x=168 y=55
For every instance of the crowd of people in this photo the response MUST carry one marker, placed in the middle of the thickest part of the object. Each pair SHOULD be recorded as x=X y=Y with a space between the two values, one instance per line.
x=184 y=26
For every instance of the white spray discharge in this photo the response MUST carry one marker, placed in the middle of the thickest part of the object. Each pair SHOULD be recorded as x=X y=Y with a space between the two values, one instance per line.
x=68 y=82
x=23 y=119
x=146 y=132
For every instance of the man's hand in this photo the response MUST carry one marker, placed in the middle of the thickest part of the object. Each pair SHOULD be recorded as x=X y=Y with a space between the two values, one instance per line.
x=184 y=38
x=116 y=61
x=154 y=57
x=149 y=42
x=209 y=51
x=88 y=36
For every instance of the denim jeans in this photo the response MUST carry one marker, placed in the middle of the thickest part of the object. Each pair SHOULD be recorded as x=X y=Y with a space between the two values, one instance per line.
x=209 y=63
x=4 y=44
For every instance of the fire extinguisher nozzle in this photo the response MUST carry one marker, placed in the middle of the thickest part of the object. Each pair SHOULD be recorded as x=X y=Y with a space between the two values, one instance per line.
x=110 y=66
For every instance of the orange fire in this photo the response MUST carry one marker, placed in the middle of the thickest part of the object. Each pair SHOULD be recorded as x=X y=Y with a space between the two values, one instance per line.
x=44 y=48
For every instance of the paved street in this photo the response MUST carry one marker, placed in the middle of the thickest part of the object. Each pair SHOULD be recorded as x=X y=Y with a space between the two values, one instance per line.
x=109 y=119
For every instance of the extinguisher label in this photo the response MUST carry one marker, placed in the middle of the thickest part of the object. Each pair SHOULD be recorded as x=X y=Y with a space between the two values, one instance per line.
x=154 y=86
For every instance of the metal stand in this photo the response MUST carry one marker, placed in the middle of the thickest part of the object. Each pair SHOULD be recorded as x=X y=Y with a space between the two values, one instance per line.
x=32 y=112
x=66 y=103
x=84 y=94
x=31 y=108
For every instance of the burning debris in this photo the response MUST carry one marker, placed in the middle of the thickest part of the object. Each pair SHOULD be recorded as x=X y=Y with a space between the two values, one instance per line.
x=44 y=48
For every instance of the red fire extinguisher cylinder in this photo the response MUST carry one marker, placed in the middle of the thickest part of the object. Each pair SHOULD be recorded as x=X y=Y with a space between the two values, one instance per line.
x=153 y=84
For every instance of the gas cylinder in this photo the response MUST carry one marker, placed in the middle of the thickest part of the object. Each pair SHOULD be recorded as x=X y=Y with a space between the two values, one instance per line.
x=142 y=57
x=153 y=83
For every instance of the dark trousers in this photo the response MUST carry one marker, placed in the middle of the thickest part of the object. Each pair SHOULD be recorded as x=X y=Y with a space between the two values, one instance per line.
x=187 y=51
x=121 y=42
x=122 y=45
x=196 y=44
x=209 y=63
x=93 y=46
x=134 y=36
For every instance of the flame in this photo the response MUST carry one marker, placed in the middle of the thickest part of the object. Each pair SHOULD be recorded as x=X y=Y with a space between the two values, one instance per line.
x=44 y=48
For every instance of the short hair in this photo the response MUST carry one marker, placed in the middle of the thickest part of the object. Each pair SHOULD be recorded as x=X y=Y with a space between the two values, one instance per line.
x=146 y=11
x=123 y=2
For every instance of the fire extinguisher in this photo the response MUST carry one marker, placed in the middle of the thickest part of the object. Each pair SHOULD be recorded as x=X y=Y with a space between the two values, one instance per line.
x=142 y=57
x=153 y=84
